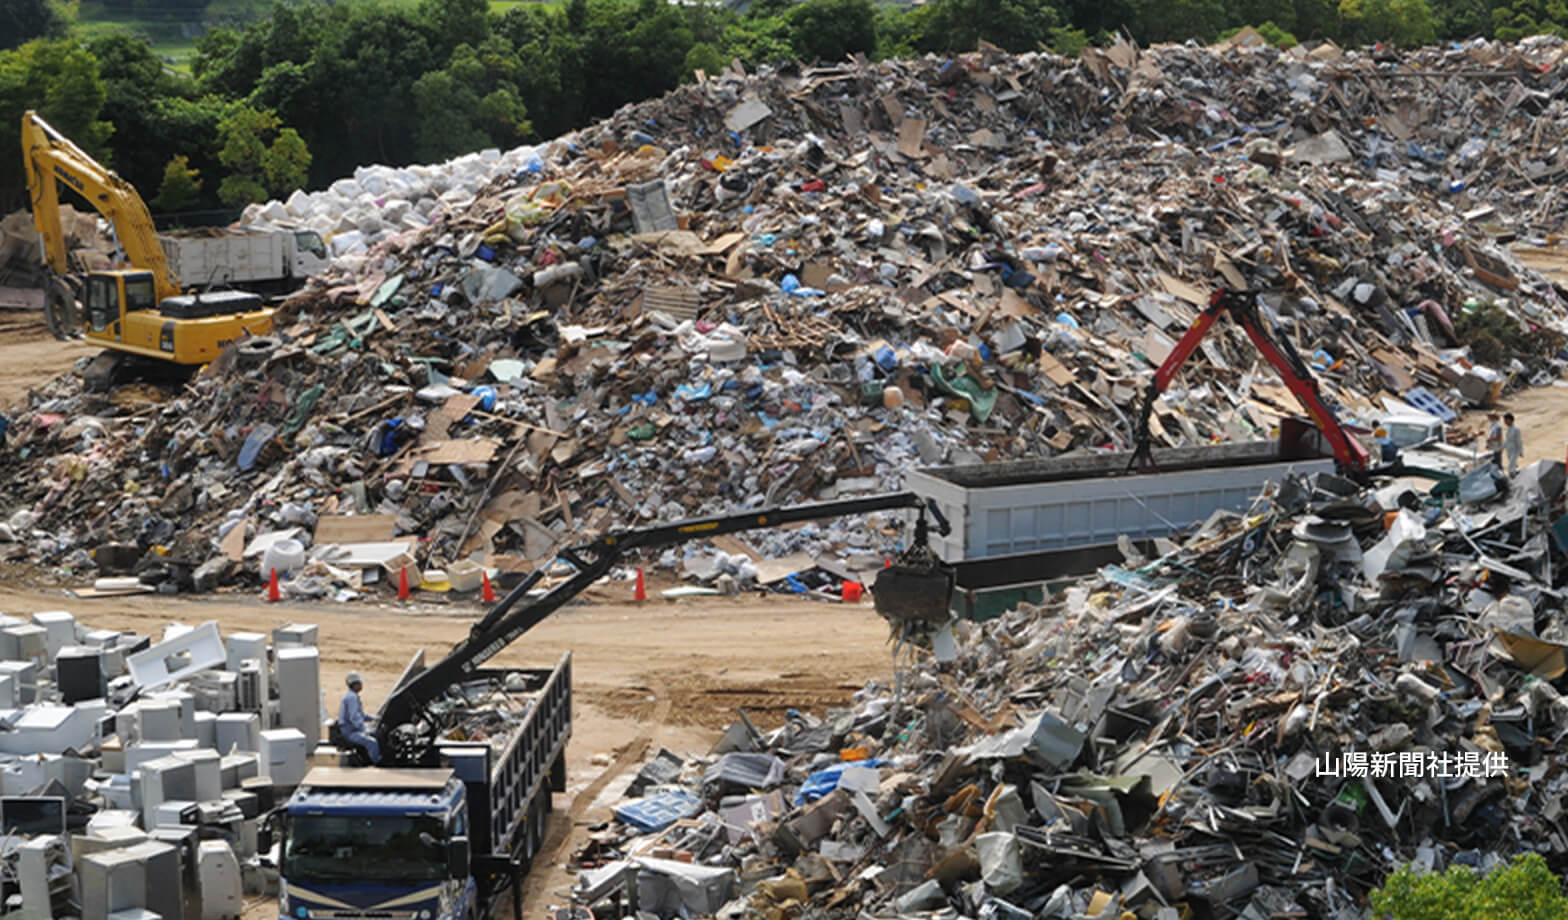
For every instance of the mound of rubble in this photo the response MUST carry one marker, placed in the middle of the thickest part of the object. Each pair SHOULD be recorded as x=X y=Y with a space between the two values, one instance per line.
x=1260 y=723
x=801 y=283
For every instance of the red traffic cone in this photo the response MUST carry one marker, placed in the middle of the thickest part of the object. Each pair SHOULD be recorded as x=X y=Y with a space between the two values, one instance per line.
x=850 y=593
x=402 y=583
x=486 y=592
x=887 y=562
x=273 y=594
x=641 y=592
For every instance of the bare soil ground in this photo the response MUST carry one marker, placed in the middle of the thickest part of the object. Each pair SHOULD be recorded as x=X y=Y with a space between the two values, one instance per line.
x=29 y=356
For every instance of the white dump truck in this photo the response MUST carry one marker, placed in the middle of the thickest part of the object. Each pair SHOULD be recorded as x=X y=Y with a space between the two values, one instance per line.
x=265 y=261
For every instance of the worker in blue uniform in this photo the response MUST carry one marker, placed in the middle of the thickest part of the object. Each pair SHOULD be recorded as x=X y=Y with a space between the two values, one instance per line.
x=351 y=719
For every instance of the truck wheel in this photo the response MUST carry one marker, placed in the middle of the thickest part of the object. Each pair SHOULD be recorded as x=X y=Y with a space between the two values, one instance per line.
x=60 y=310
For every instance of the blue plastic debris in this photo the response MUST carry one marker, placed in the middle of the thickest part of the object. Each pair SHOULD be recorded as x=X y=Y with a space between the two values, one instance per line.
x=657 y=812
x=692 y=394
x=251 y=449
x=826 y=780
x=486 y=397
x=485 y=253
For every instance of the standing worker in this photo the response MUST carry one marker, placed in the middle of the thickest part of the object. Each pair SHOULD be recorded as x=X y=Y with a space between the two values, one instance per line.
x=351 y=719
x=1513 y=443
x=1494 y=440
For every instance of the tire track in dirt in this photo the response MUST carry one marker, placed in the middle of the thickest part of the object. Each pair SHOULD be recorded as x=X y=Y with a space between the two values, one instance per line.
x=535 y=886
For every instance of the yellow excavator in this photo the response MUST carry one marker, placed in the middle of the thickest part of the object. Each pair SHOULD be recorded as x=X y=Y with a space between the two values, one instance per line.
x=139 y=314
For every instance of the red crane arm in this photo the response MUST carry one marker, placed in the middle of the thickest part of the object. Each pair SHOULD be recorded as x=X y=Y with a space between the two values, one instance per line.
x=1348 y=452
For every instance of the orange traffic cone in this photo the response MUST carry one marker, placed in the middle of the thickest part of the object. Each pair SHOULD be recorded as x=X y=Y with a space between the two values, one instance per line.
x=273 y=594
x=850 y=593
x=402 y=583
x=641 y=592
x=486 y=592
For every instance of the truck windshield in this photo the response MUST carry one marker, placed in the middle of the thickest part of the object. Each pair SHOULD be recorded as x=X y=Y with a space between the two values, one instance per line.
x=380 y=848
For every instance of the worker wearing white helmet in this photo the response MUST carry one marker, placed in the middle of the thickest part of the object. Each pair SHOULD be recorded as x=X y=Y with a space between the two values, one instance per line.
x=351 y=719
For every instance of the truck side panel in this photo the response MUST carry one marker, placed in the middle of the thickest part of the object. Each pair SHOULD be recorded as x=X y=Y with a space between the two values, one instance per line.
x=522 y=772
x=232 y=258
x=1016 y=518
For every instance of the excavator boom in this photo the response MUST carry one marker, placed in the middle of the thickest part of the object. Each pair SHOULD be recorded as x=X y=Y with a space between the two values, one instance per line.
x=1349 y=453
x=50 y=157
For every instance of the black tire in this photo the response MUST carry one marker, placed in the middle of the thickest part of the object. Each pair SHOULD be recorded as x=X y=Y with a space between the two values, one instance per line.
x=256 y=350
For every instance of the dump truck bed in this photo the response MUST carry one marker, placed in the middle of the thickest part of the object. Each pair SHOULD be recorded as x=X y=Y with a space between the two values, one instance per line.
x=1087 y=500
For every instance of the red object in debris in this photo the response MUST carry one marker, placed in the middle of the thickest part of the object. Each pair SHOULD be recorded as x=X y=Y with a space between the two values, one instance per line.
x=640 y=593
x=273 y=594
x=851 y=592
x=486 y=592
x=815 y=185
x=402 y=584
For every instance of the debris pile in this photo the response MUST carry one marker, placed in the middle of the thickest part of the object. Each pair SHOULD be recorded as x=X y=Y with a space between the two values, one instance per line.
x=1260 y=723
x=799 y=284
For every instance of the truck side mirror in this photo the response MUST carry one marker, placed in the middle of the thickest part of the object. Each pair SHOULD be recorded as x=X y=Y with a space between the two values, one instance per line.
x=457 y=857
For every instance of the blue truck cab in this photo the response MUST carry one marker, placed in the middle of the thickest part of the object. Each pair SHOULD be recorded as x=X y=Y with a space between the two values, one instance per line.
x=441 y=837
x=377 y=843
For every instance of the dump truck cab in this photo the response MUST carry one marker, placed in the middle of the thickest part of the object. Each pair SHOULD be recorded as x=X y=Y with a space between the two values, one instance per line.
x=384 y=843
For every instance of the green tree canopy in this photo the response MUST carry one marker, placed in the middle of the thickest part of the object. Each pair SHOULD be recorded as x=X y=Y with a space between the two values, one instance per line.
x=59 y=79
x=24 y=20
x=181 y=187
x=1524 y=890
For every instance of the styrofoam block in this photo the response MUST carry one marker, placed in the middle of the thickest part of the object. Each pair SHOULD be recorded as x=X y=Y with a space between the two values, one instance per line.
x=60 y=629
x=168 y=661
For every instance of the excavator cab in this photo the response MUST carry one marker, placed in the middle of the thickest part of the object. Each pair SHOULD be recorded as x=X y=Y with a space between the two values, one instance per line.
x=109 y=295
x=152 y=339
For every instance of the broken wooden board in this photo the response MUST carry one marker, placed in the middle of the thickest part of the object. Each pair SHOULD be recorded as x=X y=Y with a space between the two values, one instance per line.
x=355 y=528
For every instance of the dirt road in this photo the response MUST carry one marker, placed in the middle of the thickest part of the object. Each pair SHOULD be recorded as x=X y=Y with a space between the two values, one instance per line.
x=30 y=356
x=1542 y=415
x=645 y=676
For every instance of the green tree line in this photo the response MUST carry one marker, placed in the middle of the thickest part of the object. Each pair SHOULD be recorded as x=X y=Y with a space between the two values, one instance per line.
x=313 y=90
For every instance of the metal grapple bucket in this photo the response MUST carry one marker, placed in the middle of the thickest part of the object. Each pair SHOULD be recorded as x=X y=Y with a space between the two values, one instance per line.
x=917 y=593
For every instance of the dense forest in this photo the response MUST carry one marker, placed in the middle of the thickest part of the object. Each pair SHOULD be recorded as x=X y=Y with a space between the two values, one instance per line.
x=308 y=92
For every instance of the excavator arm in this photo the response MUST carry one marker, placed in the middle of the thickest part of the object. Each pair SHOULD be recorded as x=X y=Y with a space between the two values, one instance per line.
x=407 y=734
x=50 y=157
x=1349 y=454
